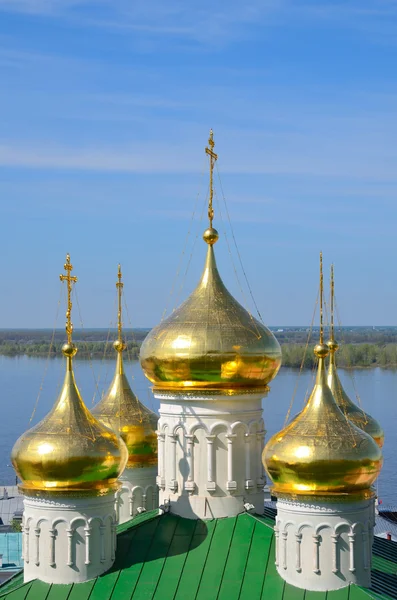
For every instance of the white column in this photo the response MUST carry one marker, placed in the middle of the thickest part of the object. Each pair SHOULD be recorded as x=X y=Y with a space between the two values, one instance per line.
x=316 y=553
x=249 y=484
x=231 y=485
x=284 y=535
x=26 y=540
x=352 y=543
x=87 y=533
x=37 y=533
x=298 y=537
x=52 y=534
x=69 y=533
x=102 y=530
x=131 y=502
x=117 y=505
x=211 y=484
x=161 y=460
x=260 y=436
x=173 y=484
x=189 y=484
x=276 y=545
x=335 y=556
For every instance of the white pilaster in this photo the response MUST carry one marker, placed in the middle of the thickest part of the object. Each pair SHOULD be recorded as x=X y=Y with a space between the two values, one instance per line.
x=209 y=448
x=66 y=539
x=323 y=544
x=138 y=490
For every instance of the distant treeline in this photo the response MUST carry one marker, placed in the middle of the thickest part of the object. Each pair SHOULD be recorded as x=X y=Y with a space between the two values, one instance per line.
x=359 y=346
x=85 y=349
x=348 y=355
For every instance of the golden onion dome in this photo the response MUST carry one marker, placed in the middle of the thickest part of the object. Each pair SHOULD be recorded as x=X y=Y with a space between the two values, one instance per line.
x=210 y=342
x=69 y=450
x=320 y=451
x=353 y=412
x=121 y=411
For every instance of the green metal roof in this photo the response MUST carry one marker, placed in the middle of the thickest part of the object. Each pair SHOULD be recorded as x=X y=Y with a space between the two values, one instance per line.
x=170 y=558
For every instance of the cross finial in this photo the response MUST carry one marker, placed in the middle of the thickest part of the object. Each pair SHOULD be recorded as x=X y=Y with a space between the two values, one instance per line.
x=70 y=279
x=321 y=299
x=119 y=286
x=213 y=157
x=332 y=285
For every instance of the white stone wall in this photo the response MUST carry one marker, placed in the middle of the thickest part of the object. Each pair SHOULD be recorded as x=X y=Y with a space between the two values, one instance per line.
x=324 y=544
x=209 y=450
x=138 y=491
x=68 y=540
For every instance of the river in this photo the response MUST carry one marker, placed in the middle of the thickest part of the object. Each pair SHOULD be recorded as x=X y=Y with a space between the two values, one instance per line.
x=22 y=378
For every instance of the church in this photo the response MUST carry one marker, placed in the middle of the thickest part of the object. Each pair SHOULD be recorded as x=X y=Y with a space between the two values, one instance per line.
x=124 y=504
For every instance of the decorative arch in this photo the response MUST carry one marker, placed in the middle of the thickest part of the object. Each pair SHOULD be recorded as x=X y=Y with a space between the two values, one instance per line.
x=239 y=425
x=178 y=426
x=219 y=426
x=304 y=526
x=192 y=430
x=76 y=520
x=322 y=526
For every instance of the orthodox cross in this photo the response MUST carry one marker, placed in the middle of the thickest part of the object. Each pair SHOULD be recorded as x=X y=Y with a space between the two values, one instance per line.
x=119 y=286
x=213 y=157
x=70 y=280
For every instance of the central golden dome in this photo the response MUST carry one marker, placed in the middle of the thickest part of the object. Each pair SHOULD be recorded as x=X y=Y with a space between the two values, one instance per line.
x=210 y=341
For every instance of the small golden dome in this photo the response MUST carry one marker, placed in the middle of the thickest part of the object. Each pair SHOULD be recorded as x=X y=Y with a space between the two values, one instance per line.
x=69 y=450
x=121 y=411
x=320 y=451
x=353 y=412
x=210 y=342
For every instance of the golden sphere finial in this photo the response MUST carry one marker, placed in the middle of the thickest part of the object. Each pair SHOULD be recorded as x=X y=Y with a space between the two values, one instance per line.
x=119 y=346
x=210 y=236
x=332 y=346
x=69 y=350
x=321 y=350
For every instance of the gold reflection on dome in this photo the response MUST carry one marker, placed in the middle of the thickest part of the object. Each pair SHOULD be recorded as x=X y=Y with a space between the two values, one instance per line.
x=121 y=411
x=210 y=342
x=354 y=413
x=320 y=451
x=69 y=450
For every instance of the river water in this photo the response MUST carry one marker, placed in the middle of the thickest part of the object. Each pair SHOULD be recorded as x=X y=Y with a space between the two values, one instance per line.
x=22 y=378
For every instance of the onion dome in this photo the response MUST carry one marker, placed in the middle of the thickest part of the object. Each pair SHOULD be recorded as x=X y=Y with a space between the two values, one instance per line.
x=321 y=452
x=69 y=450
x=121 y=411
x=210 y=342
x=353 y=412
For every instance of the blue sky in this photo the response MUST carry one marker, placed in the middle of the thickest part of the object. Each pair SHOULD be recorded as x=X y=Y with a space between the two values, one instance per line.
x=106 y=107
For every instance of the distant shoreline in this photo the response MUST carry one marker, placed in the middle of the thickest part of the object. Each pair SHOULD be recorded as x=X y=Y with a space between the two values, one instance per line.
x=360 y=347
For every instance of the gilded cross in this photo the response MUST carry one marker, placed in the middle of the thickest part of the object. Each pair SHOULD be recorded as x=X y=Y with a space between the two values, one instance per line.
x=70 y=279
x=213 y=157
x=119 y=286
